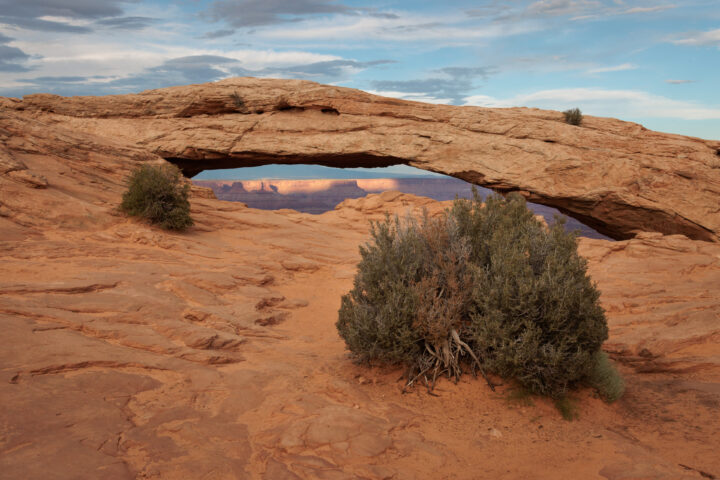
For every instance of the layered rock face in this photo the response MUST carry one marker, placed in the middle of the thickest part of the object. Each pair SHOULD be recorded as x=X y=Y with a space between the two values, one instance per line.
x=614 y=176
x=130 y=352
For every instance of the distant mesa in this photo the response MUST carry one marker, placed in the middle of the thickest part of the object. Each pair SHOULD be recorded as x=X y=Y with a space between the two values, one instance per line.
x=321 y=195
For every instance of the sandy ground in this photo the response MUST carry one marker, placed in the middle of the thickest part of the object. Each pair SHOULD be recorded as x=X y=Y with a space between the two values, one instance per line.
x=129 y=352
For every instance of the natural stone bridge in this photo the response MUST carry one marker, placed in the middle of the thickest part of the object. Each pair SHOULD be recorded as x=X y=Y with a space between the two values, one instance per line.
x=615 y=176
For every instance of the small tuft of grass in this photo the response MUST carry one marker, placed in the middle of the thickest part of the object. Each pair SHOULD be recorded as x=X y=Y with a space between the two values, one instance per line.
x=519 y=396
x=567 y=407
x=605 y=378
x=573 y=116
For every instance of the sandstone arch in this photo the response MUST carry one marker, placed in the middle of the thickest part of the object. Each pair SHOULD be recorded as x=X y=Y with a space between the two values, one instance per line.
x=615 y=176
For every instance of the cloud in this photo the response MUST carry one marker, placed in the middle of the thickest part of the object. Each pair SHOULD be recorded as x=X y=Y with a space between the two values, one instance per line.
x=446 y=85
x=466 y=72
x=615 y=68
x=657 y=8
x=555 y=8
x=502 y=12
x=548 y=9
x=126 y=23
x=58 y=15
x=679 y=82
x=711 y=37
x=11 y=58
x=176 y=71
x=332 y=68
x=255 y=13
x=77 y=9
x=447 y=30
x=414 y=96
x=43 y=25
x=603 y=102
x=199 y=69
x=61 y=80
x=218 y=34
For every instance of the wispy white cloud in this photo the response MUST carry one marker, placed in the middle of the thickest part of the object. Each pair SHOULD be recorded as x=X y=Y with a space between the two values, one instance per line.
x=414 y=96
x=573 y=9
x=657 y=8
x=711 y=37
x=614 y=68
x=560 y=7
x=606 y=103
x=679 y=82
x=405 y=29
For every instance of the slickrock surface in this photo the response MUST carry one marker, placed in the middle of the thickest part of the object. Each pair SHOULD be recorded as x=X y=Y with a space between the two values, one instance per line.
x=129 y=352
x=615 y=176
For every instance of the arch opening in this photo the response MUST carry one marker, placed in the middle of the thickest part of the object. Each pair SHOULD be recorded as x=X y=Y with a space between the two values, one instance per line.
x=316 y=189
x=191 y=167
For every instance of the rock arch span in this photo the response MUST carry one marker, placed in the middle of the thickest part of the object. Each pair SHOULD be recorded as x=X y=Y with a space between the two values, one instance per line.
x=614 y=176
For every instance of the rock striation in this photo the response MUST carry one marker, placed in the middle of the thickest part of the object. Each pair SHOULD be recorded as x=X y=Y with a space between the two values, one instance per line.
x=614 y=176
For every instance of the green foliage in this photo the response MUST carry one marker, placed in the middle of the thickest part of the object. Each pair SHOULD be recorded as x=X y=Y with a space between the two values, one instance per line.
x=485 y=286
x=156 y=193
x=605 y=378
x=519 y=396
x=573 y=116
x=376 y=317
x=536 y=315
x=567 y=407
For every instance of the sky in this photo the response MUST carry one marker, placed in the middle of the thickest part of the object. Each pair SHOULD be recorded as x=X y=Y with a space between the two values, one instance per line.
x=306 y=172
x=655 y=62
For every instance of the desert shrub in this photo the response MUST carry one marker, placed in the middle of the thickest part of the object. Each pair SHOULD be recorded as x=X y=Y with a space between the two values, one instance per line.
x=156 y=193
x=483 y=286
x=536 y=316
x=605 y=378
x=376 y=317
x=573 y=116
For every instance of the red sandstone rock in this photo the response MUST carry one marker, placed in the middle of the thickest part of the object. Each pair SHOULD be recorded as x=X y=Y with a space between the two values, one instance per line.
x=615 y=176
x=131 y=352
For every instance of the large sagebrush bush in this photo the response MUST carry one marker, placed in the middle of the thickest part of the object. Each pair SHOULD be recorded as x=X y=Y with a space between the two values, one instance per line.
x=158 y=194
x=484 y=287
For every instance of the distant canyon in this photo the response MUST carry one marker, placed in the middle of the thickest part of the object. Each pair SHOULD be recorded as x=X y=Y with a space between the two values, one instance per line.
x=322 y=195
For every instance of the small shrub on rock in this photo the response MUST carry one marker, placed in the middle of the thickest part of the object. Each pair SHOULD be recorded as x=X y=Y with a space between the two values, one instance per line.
x=157 y=193
x=573 y=116
x=485 y=287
